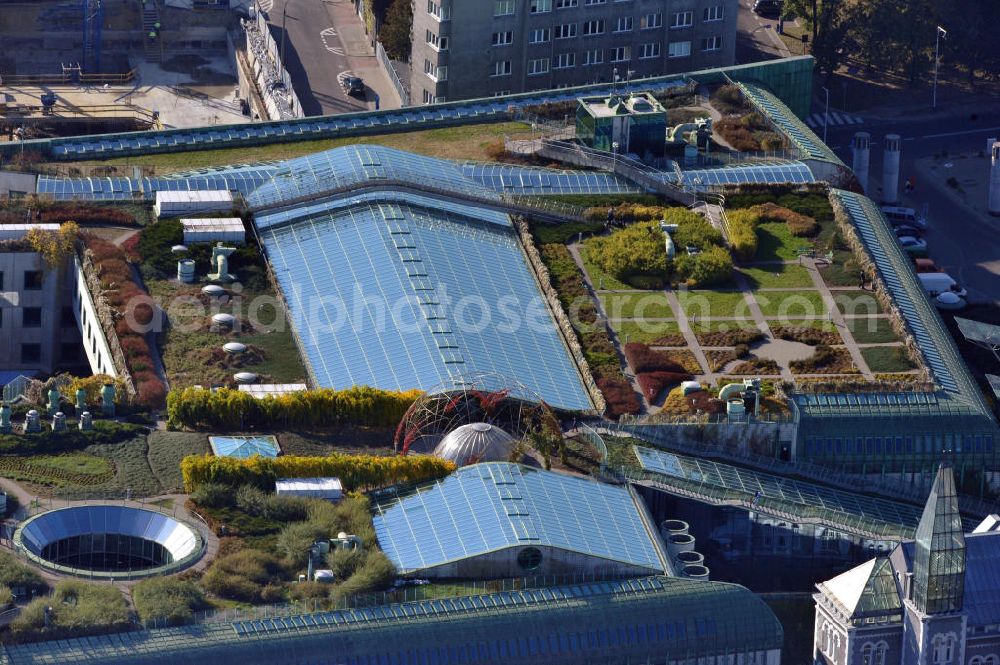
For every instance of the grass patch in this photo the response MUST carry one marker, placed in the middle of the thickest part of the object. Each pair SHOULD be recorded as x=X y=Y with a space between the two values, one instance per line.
x=606 y=200
x=776 y=243
x=347 y=440
x=68 y=469
x=167 y=449
x=641 y=304
x=788 y=275
x=858 y=302
x=874 y=330
x=887 y=359
x=806 y=305
x=705 y=303
x=664 y=333
x=132 y=473
x=563 y=233
x=464 y=142
x=843 y=271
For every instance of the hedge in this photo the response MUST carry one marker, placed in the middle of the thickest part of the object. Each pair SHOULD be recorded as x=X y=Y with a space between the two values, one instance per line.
x=356 y=472
x=742 y=230
x=233 y=409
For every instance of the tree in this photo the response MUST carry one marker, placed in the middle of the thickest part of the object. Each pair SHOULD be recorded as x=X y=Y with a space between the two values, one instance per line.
x=395 y=33
x=54 y=246
x=831 y=22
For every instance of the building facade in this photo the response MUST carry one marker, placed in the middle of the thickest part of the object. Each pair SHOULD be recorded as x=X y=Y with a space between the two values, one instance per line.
x=932 y=601
x=485 y=48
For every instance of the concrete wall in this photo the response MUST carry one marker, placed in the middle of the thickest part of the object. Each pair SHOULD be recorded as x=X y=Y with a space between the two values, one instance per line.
x=16 y=303
x=95 y=344
x=471 y=54
x=15 y=184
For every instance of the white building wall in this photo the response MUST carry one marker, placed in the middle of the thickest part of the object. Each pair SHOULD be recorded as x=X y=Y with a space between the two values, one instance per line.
x=94 y=342
x=16 y=302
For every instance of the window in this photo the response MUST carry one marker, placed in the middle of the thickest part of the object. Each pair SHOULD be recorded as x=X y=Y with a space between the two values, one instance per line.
x=594 y=2
x=566 y=31
x=564 y=61
x=678 y=49
x=593 y=27
x=713 y=13
x=1 y=318
x=439 y=11
x=529 y=558
x=621 y=53
x=31 y=317
x=541 y=6
x=944 y=649
x=624 y=24
x=504 y=38
x=711 y=43
x=540 y=36
x=501 y=93
x=428 y=97
x=33 y=280
x=69 y=352
x=651 y=50
x=436 y=42
x=503 y=7
x=682 y=20
x=566 y=4
x=501 y=68
x=651 y=21
x=538 y=66
x=1 y=280
x=593 y=57
x=31 y=353
x=435 y=72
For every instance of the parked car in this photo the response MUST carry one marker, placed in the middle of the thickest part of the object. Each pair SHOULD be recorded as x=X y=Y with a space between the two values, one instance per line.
x=949 y=300
x=925 y=265
x=354 y=86
x=936 y=283
x=898 y=216
x=907 y=230
x=768 y=7
x=913 y=246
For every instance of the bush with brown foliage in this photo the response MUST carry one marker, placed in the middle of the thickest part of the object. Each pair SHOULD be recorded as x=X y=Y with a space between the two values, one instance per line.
x=644 y=359
x=653 y=383
x=729 y=337
x=736 y=135
x=807 y=335
x=799 y=225
x=619 y=395
x=84 y=214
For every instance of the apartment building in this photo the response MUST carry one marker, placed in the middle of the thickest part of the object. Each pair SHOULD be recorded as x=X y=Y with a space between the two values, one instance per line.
x=484 y=48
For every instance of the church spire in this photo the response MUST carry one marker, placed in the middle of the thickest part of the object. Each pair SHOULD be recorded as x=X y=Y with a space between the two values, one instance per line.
x=939 y=554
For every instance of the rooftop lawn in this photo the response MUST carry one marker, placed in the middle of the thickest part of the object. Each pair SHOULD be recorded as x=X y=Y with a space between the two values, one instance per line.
x=465 y=142
x=887 y=359
x=777 y=276
x=645 y=331
x=638 y=304
x=707 y=303
x=776 y=243
x=872 y=330
x=857 y=302
x=792 y=305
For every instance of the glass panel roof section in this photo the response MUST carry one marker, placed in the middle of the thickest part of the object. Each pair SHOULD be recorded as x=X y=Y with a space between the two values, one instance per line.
x=526 y=180
x=982 y=578
x=465 y=515
x=788 y=123
x=244 y=447
x=977 y=331
x=839 y=509
x=322 y=172
x=787 y=172
x=414 y=302
x=923 y=321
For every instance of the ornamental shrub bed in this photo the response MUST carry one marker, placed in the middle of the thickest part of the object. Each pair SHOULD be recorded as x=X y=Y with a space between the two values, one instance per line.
x=87 y=214
x=619 y=395
x=807 y=335
x=756 y=366
x=354 y=471
x=644 y=359
x=78 y=608
x=800 y=225
x=742 y=231
x=729 y=337
x=653 y=383
x=825 y=360
x=233 y=409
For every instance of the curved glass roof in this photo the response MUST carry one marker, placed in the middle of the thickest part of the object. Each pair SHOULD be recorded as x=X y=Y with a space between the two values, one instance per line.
x=244 y=447
x=399 y=297
x=738 y=174
x=176 y=537
x=652 y=619
x=476 y=442
x=339 y=168
x=493 y=506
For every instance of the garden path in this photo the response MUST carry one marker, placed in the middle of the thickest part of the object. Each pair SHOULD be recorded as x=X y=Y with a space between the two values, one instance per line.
x=838 y=320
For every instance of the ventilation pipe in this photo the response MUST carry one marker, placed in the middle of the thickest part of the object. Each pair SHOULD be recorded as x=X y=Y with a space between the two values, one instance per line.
x=679 y=542
x=695 y=572
x=890 y=169
x=689 y=558
x=861 y=146
x=994 y=206
x=673 y=527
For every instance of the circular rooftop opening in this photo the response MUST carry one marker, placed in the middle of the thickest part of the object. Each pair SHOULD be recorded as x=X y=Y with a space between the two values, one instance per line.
x=112 y=542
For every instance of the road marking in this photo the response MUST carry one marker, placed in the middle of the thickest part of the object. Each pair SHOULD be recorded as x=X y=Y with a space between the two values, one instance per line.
x=968 y=131
x=343 y=75
x=329 y=33
x=265 y=5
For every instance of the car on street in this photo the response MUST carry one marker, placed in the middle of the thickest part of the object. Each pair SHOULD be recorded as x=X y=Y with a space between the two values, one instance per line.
x=907 y=230
x=925 y=266
x=768 y=7
x=899 y=216
x=913 y=246
x=354 y=86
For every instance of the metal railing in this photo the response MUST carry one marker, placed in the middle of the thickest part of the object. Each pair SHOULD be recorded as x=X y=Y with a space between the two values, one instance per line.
x=68 y=78
x=386 y=62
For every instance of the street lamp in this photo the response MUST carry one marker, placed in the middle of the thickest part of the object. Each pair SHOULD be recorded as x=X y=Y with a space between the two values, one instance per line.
x=941 y=32
x=284 y=17
x=826 y=113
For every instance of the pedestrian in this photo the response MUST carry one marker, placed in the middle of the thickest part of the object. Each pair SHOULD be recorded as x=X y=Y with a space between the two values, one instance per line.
x=908 y=187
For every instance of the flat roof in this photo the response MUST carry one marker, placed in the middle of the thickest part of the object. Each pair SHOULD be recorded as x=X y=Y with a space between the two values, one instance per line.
x=498 y=505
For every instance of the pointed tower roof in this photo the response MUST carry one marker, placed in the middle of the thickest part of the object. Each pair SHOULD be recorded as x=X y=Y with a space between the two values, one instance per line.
x=865 y=590
x=939 y=550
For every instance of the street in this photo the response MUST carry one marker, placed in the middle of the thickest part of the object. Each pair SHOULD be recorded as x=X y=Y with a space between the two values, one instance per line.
x=965 y=246
x=324 y=42
x=756 y=37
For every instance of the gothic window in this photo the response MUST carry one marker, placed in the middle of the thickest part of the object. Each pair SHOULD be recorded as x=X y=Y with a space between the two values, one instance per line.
x=943 y=649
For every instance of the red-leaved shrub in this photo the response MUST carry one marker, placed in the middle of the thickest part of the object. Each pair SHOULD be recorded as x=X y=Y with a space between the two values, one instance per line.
x=644 y=359
x=134 y=346
x=151 y=394
x=653 y=383
x=619 y=395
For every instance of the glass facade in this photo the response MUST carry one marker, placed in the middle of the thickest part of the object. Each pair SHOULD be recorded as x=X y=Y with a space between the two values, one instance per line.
x=939 y=550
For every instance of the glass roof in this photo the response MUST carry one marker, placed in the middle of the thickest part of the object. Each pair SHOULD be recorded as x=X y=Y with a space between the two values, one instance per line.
x=493 y=506
x=785 y=172
x=839 y=509
x=244 y=447
x=935 y=344
x=977 y=331
x=322 y=172
x=982 y=578
x=638 y=621
x=399 y=297
x=526 y=180
x=55 y=525
x=788 y=123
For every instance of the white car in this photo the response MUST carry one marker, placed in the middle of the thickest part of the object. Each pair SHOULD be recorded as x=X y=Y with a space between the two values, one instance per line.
x=914 y=246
